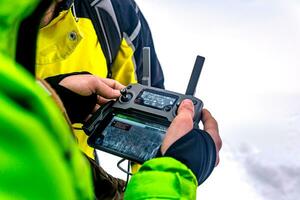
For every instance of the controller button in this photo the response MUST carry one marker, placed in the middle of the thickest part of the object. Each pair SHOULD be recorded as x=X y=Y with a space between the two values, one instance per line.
x=168 y=108
x=124 y=92
x=126 y=98
x=129 y=87
x=138 y=100
x=195 y=102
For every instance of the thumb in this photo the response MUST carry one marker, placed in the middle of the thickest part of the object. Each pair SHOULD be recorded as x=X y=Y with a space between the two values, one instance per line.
x=186 y=108
x=181 y=124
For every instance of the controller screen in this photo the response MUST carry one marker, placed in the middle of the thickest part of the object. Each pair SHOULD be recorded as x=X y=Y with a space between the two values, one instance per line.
x=156 y=99
x=132 y=137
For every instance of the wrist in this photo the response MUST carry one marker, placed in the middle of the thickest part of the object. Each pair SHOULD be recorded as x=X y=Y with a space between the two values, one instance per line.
x=77 y=107
x=197 y=151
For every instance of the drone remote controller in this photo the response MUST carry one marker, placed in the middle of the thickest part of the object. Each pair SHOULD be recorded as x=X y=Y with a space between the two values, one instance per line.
x=135 y=124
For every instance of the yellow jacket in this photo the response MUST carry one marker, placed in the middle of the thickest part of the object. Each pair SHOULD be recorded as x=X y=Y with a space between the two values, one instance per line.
x=66 y=45
x=71 y=44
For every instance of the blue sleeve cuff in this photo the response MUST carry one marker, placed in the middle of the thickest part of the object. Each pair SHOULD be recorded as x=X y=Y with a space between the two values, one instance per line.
x=197 y=151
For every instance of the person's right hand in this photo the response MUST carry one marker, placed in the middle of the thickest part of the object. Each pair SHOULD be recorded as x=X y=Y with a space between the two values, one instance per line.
x=87 y=84
x=183 y=124
x=180 y=126
x=83 y=93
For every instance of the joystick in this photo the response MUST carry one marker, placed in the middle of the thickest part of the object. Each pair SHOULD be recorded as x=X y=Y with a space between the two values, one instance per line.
x=125 y=96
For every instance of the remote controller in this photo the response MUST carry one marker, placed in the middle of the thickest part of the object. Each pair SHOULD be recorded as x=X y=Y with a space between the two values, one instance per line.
x=135 y=124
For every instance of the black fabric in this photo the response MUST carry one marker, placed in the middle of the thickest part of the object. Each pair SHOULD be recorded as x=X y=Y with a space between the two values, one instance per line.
x=78 y=107
x=105 y=29
x=27 y=36
x=197 y=151
x=145 y=39
x=64 y=5
x=128 y=16
x=106 y=187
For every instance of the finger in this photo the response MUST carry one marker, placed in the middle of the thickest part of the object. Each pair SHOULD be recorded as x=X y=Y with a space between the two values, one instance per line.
x=180 y=126
x=102 y=100
x=186 y=107
x=106 y=91
x=217 y=160
x=183 y=122
x=209 y=122
x=97 y=106
x=113 y=83
x=211 y=126
x=88 y=117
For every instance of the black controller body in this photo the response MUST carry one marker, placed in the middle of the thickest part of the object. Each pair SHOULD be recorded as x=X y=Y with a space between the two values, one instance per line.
x=133 y=126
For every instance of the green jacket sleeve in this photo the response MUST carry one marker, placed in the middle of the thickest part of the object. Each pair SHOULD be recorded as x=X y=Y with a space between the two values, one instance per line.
x=39 y=158
x=30 y=167
x=162 y=178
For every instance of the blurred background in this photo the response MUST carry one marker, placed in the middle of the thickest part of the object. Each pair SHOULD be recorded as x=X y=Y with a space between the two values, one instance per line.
x=250 y=82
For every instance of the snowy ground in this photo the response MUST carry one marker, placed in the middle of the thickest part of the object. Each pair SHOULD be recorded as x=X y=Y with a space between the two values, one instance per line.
x=250 y=82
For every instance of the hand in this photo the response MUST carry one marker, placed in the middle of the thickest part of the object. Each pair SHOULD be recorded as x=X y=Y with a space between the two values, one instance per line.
x=83 y=93
x=86 y=85
x=183 y=123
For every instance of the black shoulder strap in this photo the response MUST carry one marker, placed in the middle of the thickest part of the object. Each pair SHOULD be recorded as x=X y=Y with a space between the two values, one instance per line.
x=103 y=17
x=114 y=20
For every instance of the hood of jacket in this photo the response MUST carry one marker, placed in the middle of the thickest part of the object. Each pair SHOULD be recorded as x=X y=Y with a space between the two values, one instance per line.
x=19 y=23
x=11 y=15
x=38 y=147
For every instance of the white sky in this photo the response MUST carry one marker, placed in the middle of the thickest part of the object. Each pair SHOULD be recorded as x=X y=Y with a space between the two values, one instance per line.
x=250 y=82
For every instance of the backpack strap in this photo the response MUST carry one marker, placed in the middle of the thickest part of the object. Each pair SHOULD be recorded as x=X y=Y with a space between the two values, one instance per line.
x=135 y=30
x=103 y=17
x=115 y=20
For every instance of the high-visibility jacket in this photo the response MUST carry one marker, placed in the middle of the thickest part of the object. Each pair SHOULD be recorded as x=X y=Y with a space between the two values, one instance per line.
x=39 y=158
x=103 y=37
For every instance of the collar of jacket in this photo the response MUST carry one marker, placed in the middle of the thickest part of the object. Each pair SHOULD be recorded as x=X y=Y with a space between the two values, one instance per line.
x=58 y=43
x=25 y=19
x=65 y=5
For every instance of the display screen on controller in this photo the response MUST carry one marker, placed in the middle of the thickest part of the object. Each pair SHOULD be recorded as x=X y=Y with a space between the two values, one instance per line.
x=155 y=99
x=123 y=135
x=134 y=126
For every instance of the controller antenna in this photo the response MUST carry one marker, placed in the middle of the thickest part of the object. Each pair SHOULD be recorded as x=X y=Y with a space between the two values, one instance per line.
x=146 y=80
x=191 y=88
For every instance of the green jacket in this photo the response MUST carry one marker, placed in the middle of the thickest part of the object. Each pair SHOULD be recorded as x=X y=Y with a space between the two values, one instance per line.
x=39 y=158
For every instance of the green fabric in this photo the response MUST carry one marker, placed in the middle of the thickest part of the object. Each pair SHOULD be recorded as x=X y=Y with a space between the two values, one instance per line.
x=162 y=178
x=39 y=158
x=11 y=14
